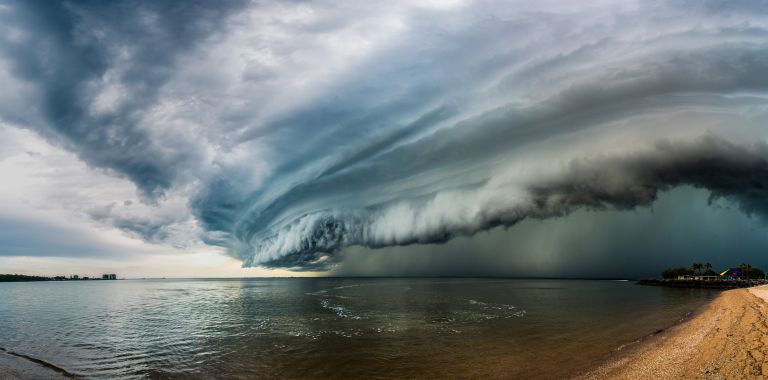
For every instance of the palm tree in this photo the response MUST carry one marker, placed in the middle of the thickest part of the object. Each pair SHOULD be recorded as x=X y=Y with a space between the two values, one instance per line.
x=746 y=270
x=708 y=267
x=696 y=267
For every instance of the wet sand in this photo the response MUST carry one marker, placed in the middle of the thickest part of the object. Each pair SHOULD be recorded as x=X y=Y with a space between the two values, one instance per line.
x=727 y=339
x=18 y=368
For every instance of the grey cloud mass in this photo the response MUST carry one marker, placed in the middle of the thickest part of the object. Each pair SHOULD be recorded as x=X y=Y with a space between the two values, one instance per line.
x=69 y=51
x=296 y=130
x=739 y=173
x=685 y=225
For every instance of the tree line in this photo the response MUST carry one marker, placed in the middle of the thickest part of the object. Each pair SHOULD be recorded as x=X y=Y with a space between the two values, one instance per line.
x=698 y=269
x=21 y=277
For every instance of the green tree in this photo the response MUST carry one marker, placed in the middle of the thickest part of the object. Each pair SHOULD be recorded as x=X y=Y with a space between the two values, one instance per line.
x=696 y=268
x=672 y=273
x=750 y=272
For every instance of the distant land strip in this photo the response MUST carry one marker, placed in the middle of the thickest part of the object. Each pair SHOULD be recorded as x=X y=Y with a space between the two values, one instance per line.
x=21 y=277
x=26 y=278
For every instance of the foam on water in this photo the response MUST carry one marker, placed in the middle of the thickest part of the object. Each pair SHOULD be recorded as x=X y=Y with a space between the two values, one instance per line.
x=340 y=310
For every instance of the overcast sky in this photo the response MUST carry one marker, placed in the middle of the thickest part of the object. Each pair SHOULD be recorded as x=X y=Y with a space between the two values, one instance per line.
x=268 y=138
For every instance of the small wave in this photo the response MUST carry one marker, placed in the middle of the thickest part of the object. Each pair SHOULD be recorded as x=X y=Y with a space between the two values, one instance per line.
x=347 y=333
x=508 y=311
x=324 y=292
x=492 y=306
x=441 y=320
x=326 y=295
x=312 y=335
x=340 y=310
x=386 y=329
x=346 y=286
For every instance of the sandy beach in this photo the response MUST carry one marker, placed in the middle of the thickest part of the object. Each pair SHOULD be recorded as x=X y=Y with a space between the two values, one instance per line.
x=728 y=339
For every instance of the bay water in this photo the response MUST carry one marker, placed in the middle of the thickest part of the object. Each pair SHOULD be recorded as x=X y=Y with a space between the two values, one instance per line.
x=334 y=327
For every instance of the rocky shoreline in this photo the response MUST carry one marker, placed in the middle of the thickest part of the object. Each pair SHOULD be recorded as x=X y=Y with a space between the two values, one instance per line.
x=708 y=284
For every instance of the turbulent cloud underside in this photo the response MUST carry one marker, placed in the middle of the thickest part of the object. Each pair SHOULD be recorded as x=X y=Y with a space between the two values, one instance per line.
x=291 y=130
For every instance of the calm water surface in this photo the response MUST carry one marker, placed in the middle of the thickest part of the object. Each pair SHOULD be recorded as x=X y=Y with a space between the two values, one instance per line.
x=330 y=328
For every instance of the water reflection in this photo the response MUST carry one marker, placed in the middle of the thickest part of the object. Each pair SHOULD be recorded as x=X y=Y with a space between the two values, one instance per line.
x=277 y=328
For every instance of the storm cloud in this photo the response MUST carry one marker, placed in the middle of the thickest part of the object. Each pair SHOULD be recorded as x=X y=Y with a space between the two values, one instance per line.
x=737 y=173
x=293 y=130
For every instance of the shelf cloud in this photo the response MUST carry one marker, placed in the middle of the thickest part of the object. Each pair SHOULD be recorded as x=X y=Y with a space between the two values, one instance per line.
x=285 y=132
x=734 y=172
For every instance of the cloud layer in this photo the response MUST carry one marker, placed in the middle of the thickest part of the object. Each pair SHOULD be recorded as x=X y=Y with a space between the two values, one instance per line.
x=285 y=132
x=738 y=173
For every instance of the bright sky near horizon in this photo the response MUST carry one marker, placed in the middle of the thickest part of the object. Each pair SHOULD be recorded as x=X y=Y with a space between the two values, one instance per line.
x=271 y=138
x=44 y=236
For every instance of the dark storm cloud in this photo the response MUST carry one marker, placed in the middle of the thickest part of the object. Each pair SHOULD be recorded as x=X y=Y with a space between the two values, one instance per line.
x=459 y=156
x=297 y=129
x=736 y=172
x=682 y=226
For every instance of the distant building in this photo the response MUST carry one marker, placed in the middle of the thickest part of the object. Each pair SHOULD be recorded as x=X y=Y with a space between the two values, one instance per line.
x=698 y=277
x=113 y=276
x=75 y=277
x=731 y=273
x=105 y=277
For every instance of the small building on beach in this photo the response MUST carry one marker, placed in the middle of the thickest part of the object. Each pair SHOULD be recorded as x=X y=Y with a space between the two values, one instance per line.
x=698 y=277
x=731 y=273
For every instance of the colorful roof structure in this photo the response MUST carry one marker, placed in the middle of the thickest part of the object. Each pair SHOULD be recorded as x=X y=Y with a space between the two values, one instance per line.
x=731 y=272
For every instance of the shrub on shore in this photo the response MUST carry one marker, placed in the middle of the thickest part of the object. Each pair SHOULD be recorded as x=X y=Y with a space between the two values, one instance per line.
x=675 y=272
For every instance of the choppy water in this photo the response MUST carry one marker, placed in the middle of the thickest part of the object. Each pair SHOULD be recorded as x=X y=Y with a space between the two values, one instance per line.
x=321 y=328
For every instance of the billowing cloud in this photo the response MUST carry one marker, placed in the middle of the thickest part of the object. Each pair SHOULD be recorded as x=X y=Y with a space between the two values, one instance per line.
x=683 y=225
x=287 y=131
x=735 y=172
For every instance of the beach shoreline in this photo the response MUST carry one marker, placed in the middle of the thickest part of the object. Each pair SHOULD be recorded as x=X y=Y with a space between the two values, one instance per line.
x=725 y=339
